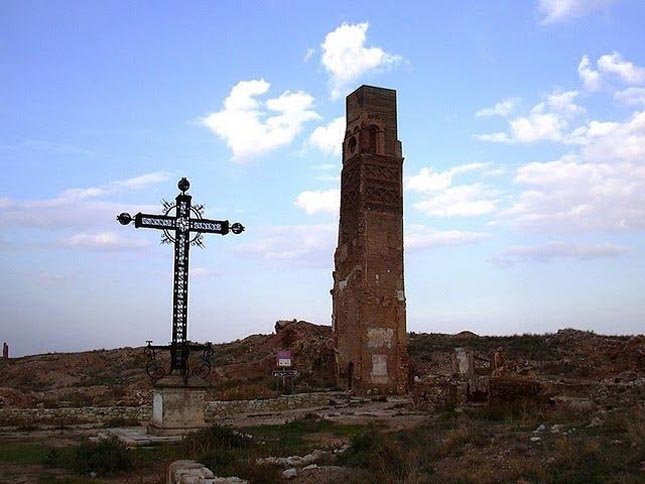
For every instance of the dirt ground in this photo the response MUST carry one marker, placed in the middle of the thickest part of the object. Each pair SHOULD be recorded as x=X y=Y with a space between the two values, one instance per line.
x=386 y=414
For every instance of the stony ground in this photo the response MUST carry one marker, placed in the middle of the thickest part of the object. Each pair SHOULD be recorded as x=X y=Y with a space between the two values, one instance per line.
x=242 y=369
x=586 y=425
x=393 y=442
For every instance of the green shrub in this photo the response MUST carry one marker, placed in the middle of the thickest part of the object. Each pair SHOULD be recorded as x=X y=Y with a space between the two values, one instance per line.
x=241 y=463
x=61 y=457
x=214 y=438
x=228 y=452
x=105 y=457
x=387 y=457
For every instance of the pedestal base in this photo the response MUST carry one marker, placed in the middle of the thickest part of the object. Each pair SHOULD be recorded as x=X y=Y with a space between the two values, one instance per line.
x=177 y=408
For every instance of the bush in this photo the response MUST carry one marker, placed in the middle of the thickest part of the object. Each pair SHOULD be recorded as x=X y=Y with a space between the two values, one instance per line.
x=105 y=457
x=214 y=438
x=228 y=452
x=387 y=457
x=61 y=457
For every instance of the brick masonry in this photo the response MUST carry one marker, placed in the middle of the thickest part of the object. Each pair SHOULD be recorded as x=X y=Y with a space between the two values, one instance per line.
x=368 y=294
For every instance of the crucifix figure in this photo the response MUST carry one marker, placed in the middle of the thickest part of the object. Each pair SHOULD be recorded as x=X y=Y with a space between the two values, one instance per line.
x=184 y=229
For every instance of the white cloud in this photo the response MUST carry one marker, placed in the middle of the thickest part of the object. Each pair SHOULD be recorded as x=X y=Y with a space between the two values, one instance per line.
x=549 y=120
x=564 y=10
x=63 y=213
x=442 y=198
x=76 y=207
x=504 y=108
x=609 y=65
x=561 y=102
x=568 y=195
x=309 y=54
x=306 y=245
x=204 y=272
x=632 y=96
x=319 y=201
x=109 y=241
x=346 y=57
x=589 y=77
x=250 y=128
x=599 y=187
x=463 y=200
x=613 y=141
x=614 y=64
x=538 y=127
x=499 y=137
x=49 y=279
x=556 y=250
x=428 y=180
x=142 y=181
x=418 y=237
x=329 y=138
x=313 y=245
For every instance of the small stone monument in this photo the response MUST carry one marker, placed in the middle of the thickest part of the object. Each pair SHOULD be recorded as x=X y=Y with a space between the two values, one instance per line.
x=178 y=393
x=5 y=350
x=463 y=363
x=497 y=359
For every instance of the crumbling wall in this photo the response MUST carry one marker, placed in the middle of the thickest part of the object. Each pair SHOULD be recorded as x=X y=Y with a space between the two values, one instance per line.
x=214 y=410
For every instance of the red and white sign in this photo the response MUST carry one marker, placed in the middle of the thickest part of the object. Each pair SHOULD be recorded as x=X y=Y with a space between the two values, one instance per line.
x=284 y=358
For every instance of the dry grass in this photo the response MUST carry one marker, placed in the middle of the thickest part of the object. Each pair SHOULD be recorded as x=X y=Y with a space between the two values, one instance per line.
x=488 y=445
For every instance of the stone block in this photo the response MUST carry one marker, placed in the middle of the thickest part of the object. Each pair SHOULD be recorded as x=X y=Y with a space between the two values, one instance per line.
x=177 y=408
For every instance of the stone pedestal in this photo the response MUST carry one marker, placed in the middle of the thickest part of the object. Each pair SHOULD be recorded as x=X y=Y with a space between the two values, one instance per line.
x=177 y=407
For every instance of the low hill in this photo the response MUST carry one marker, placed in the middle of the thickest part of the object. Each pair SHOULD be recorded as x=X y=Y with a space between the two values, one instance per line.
x=242 y=368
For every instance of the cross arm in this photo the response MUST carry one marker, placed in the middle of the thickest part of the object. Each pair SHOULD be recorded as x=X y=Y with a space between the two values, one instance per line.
x=147 y=221
x=207 y=226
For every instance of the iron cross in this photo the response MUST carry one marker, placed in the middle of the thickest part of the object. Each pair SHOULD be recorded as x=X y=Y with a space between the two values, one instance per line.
x=184 y=229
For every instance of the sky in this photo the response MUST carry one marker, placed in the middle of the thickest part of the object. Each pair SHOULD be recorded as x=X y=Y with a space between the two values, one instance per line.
x=523 y=132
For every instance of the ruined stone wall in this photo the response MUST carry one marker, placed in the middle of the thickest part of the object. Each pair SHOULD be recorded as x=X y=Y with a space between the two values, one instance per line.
x=221 y=408
x=214 y=410
x=73 y=415
x=368 y=294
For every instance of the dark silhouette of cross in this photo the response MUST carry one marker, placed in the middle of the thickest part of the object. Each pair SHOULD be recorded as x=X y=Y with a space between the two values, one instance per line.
x=185 y=228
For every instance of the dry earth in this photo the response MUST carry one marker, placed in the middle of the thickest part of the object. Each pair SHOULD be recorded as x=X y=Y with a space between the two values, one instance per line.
x=586 y=380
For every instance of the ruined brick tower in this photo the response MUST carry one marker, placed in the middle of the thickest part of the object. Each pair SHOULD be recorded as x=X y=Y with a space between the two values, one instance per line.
x=368 y=295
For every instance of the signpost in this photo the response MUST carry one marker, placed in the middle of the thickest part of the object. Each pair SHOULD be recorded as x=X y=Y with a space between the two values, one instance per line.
x=285 y=373
x=183 y=228
x=284 y=358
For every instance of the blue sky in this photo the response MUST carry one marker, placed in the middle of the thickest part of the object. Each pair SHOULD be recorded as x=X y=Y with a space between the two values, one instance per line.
x=523 y=130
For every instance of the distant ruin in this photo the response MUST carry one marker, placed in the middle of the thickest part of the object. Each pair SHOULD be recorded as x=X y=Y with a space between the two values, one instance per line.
x=368 y=295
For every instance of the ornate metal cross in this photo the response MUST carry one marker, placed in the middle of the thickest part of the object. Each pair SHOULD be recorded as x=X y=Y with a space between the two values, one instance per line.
x=184 y=229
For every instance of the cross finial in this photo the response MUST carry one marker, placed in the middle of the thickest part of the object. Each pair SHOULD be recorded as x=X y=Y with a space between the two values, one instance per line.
x=183 y=185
